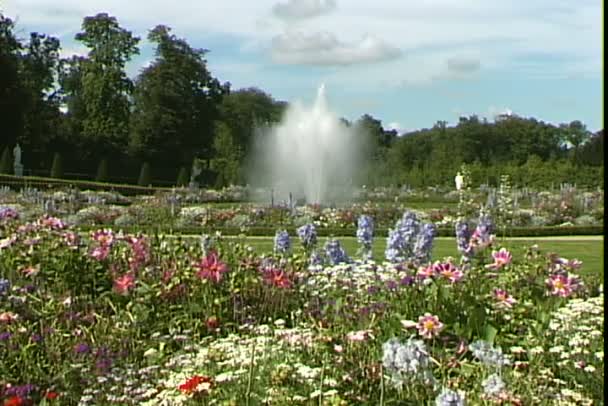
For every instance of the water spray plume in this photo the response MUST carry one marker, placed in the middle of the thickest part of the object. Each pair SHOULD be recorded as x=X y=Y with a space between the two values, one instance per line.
x=311 y=154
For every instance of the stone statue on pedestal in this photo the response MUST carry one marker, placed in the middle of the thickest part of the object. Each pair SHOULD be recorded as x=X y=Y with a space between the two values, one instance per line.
x=18 y=167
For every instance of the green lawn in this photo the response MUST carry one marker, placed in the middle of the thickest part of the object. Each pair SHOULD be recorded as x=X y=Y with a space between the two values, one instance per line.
x=591 y=252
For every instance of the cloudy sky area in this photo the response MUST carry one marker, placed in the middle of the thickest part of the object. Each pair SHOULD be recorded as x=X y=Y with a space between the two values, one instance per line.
x=409 y=63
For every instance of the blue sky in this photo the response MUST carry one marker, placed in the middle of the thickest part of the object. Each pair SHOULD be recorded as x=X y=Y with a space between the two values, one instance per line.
x=408 y=63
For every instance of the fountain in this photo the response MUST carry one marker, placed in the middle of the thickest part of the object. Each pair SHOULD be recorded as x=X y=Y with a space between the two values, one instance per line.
x=310 y=154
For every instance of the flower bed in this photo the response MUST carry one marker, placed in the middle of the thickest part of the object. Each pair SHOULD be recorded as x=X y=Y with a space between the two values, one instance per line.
x=114 y=318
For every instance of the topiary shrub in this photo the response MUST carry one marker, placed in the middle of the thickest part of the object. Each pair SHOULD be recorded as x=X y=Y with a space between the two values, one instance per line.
x=182 y=177
x=145 y=176
x=6 y=162
x=57 y=167
x=102 y=171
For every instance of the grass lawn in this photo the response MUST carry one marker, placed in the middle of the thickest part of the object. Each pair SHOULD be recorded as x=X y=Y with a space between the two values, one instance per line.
x=591 y=252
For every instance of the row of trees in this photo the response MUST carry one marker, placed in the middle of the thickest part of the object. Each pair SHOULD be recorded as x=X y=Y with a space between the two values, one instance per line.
x=84 y=114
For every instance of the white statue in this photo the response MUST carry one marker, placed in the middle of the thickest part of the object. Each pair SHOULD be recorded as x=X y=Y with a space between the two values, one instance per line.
x=459 y=179
x=17 y=154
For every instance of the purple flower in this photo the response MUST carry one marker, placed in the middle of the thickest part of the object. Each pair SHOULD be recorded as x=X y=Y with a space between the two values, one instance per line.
x=391 y=285
x=8 y=213
x=282 y=243
x=82 y=348
x=22 y=391
x=409 y=240
x=365 y=234
x=5 y=336
x=316 y=258
x=406 y=281
x=463 y=236
x=103 y=365
x=335 y=253
x=5 y=285
x=308 y=235
x=424 y=243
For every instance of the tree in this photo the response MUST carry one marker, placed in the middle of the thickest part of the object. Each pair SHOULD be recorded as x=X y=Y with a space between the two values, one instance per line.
x=105 y=86
x=175 y=104
x=576 y=134
x=12 y=98
x=39 y=66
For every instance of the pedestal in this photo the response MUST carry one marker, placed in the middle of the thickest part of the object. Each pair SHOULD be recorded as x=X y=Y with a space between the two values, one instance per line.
x=18 y=169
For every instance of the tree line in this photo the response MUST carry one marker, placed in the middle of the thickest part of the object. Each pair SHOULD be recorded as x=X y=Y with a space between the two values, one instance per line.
x=85 y=115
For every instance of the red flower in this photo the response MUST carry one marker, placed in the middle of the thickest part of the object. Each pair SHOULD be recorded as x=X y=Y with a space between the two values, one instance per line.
x=277 y=277
x=211 y=268
x=50 y=395
x=14 y=401
x=124 y=283
x=198 y=384
x=212 y=323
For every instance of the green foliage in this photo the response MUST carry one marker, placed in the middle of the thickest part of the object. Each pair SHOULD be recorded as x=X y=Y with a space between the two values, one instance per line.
x=182 y=177
x=226 y=157
x=57 y=168
x=12 y=94
x=6 y=161
x=173 y=118
x=102 y=171
x=105 y=84
x=145 y=175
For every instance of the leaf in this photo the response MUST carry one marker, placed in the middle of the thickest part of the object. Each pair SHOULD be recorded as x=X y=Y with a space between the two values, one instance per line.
x=489 y=333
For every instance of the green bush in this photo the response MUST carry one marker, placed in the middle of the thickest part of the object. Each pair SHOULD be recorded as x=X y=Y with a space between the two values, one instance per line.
x=57 y=167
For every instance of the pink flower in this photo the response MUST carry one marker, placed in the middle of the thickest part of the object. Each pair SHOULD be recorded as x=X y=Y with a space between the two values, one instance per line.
x=569 y=264
x=31 y=270
x=124 y=283
x=105 y=238
x=501 y=259
x=276 y=277
x=448 y=271
x=100 y=253
x=211 y=268
x=71 y=239
x=429 y=326
x=359 y=336
x=480 y=240
x=563 y=285
x=426 y=272
x=51 y=222
x=140 y=252
x=503 y=298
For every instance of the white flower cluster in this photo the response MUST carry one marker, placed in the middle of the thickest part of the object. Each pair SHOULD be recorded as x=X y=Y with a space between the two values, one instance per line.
x=578 y=330
x=229 y=359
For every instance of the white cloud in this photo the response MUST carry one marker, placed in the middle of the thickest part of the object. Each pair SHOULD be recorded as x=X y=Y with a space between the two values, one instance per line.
x=301 y=9
x=502 y=35
x=324 y=48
